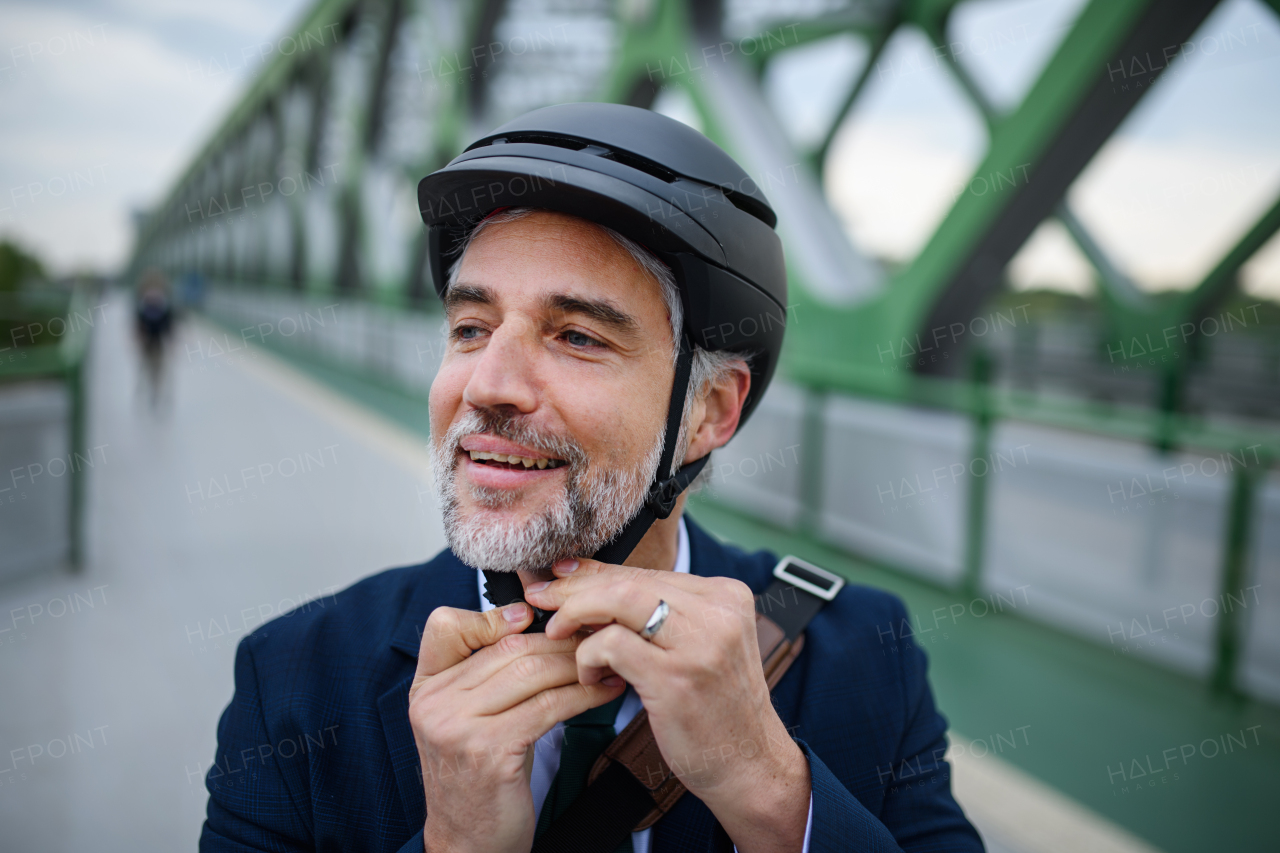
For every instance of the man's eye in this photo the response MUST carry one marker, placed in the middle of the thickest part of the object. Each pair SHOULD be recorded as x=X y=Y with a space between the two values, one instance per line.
x=464 y=333
x=577 y=339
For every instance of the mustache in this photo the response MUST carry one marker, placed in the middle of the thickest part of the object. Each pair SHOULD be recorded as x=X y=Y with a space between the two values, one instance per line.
x=514 y=428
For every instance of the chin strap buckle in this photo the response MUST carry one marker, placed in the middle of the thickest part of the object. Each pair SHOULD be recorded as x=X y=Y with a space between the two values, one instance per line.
x=663 y=494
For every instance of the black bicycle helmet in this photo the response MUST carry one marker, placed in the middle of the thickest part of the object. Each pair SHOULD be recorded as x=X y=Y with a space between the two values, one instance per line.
x=661 y=184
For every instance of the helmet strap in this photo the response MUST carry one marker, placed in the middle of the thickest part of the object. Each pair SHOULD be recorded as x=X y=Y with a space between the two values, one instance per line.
x=505 y=587
x=665 y=490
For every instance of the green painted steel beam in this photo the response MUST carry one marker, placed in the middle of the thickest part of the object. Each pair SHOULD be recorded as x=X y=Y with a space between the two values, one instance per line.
x=1110 y=278
x=64 y=361
x=883 y=345
x=270 y=81
x=351 y=272
x=1054 y=160
x=818 y=159
x=1240 y=517
x=656 y=50
x=1166 y=326
x=786 y=35
x=862 y=349
x=1222 y=279
x=983 y=420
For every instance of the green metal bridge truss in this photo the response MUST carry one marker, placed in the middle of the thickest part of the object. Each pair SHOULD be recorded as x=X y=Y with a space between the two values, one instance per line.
x=308 y=186
x=320 y=114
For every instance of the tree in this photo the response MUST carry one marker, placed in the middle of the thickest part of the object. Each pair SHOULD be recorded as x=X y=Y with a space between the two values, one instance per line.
x=18 y=269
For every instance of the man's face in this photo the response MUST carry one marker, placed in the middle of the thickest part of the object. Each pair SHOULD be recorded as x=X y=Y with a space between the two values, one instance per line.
x=559 y=352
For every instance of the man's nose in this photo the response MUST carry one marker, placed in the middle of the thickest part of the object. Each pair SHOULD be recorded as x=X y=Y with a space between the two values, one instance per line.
x=503 y=376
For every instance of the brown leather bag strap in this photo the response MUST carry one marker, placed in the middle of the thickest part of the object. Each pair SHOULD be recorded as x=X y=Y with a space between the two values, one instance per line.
x=636 y=749
x=631 y=785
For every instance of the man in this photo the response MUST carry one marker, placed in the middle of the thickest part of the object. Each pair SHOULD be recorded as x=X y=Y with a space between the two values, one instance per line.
x=608 y=277
x=153 y=324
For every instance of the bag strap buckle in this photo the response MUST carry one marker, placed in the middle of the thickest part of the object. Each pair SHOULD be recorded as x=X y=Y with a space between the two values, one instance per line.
x=808 y=577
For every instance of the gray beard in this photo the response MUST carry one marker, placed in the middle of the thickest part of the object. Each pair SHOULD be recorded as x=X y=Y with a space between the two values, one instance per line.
x=592 y=508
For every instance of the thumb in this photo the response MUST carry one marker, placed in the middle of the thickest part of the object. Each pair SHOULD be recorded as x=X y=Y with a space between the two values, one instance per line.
x=451 y=635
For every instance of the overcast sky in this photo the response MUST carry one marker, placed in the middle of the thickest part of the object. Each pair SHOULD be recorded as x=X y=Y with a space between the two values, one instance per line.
x=104 y=101
x=107 y=100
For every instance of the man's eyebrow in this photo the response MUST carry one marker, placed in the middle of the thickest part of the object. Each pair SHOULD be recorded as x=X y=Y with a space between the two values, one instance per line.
x=466 y=294
x=598 y=310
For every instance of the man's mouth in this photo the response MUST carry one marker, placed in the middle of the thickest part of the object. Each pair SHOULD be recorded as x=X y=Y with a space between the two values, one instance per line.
x=511 y=462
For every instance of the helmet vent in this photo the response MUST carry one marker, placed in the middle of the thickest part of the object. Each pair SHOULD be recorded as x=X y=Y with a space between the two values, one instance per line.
x=544 y=139
x=640 y=164
x=741 y=200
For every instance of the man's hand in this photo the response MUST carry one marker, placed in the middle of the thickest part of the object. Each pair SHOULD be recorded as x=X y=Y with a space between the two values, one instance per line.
x=701 y=681
x=482 y=696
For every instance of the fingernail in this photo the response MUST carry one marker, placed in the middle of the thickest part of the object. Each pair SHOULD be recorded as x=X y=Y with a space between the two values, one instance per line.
x=565 y=567
x=612 y=681
x=537 y=587
x=515 y=612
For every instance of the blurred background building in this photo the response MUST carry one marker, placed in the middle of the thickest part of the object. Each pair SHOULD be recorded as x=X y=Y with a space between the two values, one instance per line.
x=1031 y=385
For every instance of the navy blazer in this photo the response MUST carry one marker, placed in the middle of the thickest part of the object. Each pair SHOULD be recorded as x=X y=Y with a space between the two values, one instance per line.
x=315 y=751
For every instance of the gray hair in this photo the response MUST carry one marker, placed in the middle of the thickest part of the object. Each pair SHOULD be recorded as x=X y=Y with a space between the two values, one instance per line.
x=708 y=368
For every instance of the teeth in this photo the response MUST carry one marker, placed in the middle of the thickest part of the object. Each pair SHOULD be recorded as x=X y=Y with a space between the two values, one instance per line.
x=512 y=459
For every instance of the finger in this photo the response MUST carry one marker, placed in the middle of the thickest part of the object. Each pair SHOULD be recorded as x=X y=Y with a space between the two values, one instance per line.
x=537 y=714
x=585 y=568
x=555 y=593
x=619 y=650
x=488 y=662
x=720 y=599
x=630 y=602
x=575 y=575
x=451 y=635
x=571 y=576
x=520 y=679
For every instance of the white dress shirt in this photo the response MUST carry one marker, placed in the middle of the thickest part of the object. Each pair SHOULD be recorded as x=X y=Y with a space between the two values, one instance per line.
x=546 y=753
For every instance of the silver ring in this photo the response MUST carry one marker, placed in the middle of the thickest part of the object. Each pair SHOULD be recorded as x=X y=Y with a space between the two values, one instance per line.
x=654 y=625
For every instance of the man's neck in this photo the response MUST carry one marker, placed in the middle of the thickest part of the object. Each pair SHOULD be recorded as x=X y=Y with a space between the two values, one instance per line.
x=661 y=544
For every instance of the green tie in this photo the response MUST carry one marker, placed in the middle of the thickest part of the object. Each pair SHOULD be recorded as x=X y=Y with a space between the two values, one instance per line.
x=585 y=737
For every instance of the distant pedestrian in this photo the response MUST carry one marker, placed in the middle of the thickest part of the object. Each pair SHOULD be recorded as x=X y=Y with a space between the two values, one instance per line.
x=153 y=322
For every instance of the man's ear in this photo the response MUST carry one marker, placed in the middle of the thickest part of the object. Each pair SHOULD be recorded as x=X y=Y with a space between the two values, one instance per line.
x=714 y=417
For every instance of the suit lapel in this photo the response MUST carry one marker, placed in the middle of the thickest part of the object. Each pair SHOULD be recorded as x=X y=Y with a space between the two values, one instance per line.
x=445 y=582
x=708 y=558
